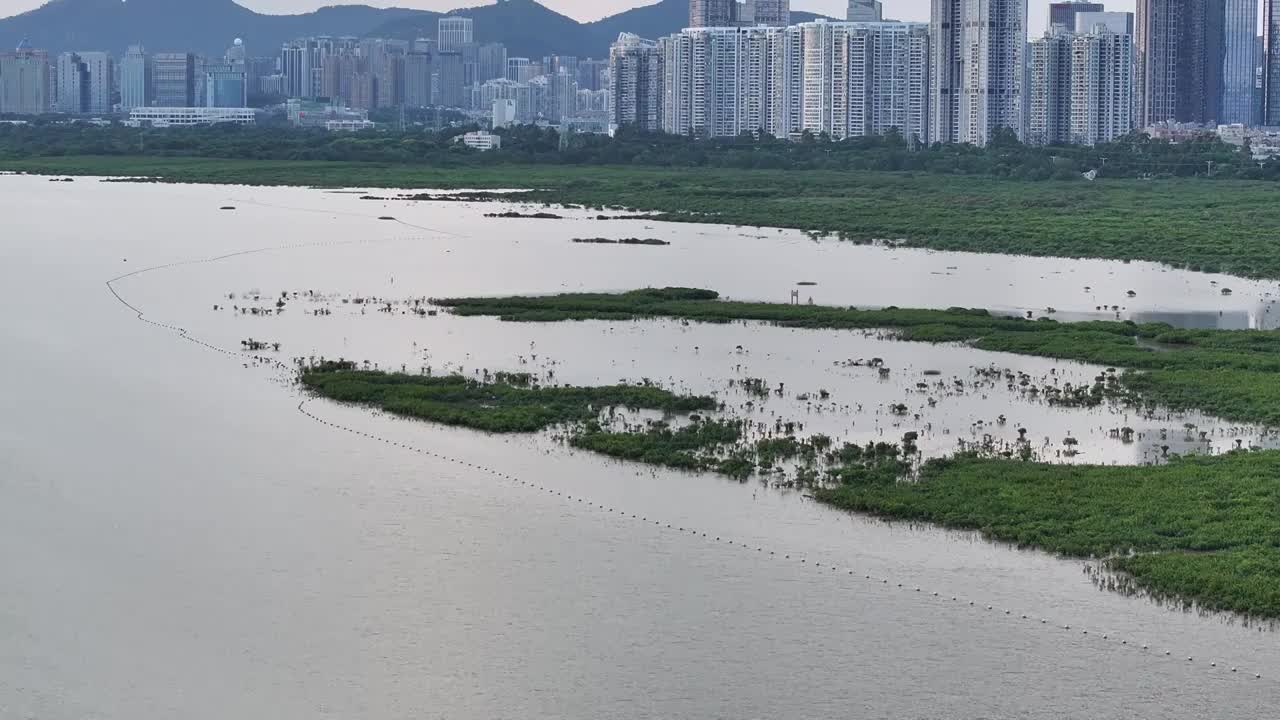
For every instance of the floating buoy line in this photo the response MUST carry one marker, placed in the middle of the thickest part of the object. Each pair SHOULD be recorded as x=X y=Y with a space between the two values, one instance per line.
x=867 y=577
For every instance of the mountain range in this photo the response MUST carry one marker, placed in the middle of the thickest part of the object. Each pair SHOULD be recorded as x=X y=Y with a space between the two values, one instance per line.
x=526 y=27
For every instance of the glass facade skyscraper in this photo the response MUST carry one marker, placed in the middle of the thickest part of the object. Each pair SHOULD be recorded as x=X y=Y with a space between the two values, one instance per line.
x=1270 y=63
x=173 y=77
x=135 y=79
x=1239 y=63
x=225 y=86
x=1179 y=60
x=1064 y=13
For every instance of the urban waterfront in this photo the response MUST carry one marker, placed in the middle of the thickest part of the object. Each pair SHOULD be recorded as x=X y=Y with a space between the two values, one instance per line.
x=699 y=68
x=173 y=499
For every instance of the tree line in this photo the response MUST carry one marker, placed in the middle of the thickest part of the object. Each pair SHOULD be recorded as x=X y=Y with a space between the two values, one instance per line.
x=1133 y=156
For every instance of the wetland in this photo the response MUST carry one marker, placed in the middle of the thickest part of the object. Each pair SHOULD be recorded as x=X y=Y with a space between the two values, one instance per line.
x=294 y=539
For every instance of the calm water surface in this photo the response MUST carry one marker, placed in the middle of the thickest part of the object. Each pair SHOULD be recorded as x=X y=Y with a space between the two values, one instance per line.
x=177 y=540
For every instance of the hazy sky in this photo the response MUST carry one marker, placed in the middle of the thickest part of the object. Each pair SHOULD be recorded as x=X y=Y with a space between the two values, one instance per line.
x=595 y=9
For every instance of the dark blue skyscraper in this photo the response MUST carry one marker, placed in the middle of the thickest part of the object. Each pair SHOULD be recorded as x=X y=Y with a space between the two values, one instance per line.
x=1270 y=63
x=1239 y=63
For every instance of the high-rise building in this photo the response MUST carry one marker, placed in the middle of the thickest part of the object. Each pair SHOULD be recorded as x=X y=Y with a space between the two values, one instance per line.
x=502 y=90
x=711 y=13
x=563 y=88
x=85 y=82
x=101 y=72
x=25 y=85
x=1063 y=14
x=296 y=59
x=1081 y=87
x=593 y=74
x=385 y=59
x=135 y=79
x=635 y=66
x=200 y=83
x=1239 y=63
x=73 y=84
x=863 y=79
x=553 y=64
x=719 y=82
x=1101 y=86
x=1269 y=109
x=417 y=80
x=839 y=79
x=225 y=86
x=491 y=62
x=1049 y=88
x=364 y=90
x=977 y=70
x=173 y=77
x=774 y=13
x=256 y=68
x=864 y=11
x=1120 y=23
x=450 y=74
x=1178 y=60
x=453 y=32
x=309 y=64
x=520 y=69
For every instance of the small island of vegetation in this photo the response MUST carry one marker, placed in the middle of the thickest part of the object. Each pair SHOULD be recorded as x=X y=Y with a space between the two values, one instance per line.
x=1234 y=374
x=506 y=403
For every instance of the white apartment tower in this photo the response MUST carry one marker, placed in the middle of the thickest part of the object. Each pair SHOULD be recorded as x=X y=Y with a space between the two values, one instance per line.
x=897 y=80
x=85 y=81
x=1081 y=87
x=454 y=33
x=722 y=82
x=72 y=84
x=635 y=66
x=835 y=79
x=865 y=79
x=1101 y=86
x=977 y=51
x=1049 y=92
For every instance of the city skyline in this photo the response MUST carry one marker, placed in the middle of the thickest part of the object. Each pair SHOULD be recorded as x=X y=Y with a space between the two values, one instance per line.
x=591 y=10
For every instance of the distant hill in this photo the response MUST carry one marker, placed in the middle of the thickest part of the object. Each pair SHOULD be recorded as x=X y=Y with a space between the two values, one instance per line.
x=654 y=21
x=526 y=27
x=529 y=29
x=204 y=26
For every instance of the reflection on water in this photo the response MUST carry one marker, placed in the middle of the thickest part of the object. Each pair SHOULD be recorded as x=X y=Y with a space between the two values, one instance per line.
x=1260 y=319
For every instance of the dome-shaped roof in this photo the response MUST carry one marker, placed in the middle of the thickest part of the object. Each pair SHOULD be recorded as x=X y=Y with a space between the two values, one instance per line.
x=237 y=42
x=25 y=44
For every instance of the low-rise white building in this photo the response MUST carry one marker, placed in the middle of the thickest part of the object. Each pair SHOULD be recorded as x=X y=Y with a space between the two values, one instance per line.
x=349 y=125
x=1263 y=143
x=164 y=117
x=480 y=140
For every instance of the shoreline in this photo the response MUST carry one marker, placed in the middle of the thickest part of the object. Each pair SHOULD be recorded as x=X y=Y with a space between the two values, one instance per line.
x=1163 y=221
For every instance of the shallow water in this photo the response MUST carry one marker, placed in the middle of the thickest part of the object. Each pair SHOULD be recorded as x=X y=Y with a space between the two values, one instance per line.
x=178 y=540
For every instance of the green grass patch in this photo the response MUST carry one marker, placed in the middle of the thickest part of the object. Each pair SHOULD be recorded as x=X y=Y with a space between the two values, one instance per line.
x=1207 y=528
x=499 y=407
x=692 y=447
